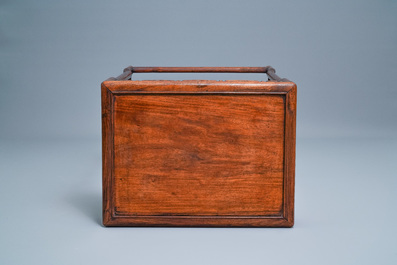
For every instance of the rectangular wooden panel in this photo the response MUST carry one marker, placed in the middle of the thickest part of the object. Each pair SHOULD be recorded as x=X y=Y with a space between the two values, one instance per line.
x=198 y=153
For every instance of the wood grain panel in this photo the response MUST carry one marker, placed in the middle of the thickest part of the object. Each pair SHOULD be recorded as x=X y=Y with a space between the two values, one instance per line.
x=199 y=155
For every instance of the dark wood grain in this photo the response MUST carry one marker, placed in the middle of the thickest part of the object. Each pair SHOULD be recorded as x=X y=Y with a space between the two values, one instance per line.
x=198 y=153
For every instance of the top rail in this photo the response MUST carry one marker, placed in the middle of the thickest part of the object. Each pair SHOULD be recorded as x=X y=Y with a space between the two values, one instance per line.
x=270 y=71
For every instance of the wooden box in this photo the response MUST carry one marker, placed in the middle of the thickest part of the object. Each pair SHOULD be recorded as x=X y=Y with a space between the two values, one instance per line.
x=198 y=152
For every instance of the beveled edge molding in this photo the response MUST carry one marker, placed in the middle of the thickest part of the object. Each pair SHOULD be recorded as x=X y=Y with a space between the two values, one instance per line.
x=112 y=218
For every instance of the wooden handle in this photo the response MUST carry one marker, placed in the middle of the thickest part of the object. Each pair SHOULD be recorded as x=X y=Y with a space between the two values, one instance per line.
x=126 y=75
x=198 y=69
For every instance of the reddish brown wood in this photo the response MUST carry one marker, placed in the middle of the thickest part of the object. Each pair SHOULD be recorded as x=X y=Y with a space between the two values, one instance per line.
x=198 y=153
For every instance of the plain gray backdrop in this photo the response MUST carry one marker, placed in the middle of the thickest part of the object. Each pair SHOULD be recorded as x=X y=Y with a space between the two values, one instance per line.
x=55 y=54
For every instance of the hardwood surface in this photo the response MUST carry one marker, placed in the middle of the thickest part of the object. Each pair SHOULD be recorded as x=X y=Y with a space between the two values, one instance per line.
x=198 y=153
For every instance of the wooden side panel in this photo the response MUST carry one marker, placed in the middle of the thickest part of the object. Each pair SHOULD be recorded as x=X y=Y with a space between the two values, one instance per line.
x=107 y=154
x=199 y=155
x=289 y=164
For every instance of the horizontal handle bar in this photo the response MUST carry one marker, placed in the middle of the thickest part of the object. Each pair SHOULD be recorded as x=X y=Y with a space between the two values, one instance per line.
x=198 y=69
x=126 y=75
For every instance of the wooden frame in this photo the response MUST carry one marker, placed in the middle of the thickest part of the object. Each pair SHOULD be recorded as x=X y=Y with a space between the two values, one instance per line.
x=115 y=89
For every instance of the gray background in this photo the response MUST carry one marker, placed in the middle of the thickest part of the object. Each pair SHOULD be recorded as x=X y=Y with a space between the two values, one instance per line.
x=54 y=55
